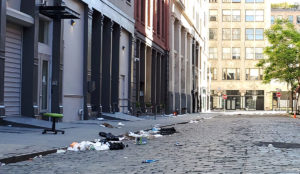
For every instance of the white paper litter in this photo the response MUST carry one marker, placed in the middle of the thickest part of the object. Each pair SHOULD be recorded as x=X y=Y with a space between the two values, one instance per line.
x=121 y=124
x=60 y=151
x=87 y=145
x=100 y=119
x=193 y=121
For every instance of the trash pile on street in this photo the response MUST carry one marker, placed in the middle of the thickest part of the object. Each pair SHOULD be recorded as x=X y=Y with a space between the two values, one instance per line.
x=112 y=142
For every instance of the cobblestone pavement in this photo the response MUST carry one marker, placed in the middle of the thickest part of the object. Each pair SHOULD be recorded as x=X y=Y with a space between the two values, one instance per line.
x=224 y=144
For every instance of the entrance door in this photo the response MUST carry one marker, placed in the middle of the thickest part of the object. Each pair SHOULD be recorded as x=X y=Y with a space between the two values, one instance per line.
x=44 y=86
x=260 y=103
x=231 y=103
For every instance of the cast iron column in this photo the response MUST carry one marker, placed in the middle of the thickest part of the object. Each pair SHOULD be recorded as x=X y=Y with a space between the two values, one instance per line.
x=115 y=68
x=96 y=66
x=2 y=53
x=87 y=61
x=107 y=65
x=29 y=104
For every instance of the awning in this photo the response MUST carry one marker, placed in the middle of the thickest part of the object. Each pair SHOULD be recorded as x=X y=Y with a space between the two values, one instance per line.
x=59 y=12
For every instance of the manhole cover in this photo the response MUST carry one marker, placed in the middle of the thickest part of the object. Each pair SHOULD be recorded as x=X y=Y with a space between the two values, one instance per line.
x=278 y=144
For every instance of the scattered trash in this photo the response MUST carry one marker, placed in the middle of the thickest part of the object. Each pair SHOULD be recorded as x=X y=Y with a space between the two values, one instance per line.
x=167 y=131
x=121 y=124
x=40 y=156
x=178 y=144
x=87 y=145
x=2 y=164
x=60 y=151
x=193 y=121
x=9 y=125
x=149 y=161
x=270 y=146
x=157 y=135
x=116 y=145
x=73 y=144
x=106 y=125
x=100 y=119
x=108 y=136
x=141 y=140
x=125 y=157
x=207 y=118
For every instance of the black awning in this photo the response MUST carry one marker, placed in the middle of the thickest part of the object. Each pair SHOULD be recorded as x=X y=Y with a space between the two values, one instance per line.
x=59 y=12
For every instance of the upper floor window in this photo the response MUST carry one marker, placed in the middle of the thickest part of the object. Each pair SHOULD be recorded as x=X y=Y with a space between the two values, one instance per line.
x=226 y=53
x=290 y=19
x=213 y=15
x=213 y=53
x=43 y=31
x=213 y=1
x=236 y=15
x=213 y=34
x=256 y=53
x=254 y=15
x=226 y=33
x=226 y=15
x=236 y=53
x=213 y=73
x=236 y=34
x=272 y=19
x=257 y=32
x=226 y=1
x=254 y=74
x=251 y=1
x=298 y=19
x=233 y=1
x=231 y=74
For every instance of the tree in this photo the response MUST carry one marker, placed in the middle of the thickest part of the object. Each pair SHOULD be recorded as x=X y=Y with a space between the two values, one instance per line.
x=282 y=62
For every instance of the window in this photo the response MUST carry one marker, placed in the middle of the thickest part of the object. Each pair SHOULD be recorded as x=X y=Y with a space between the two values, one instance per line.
x=226 y=53
x=226 y=15
x=249 y=15
x=213 y=73
x=256 y=53
x=290 y=19
x=249 y=34
x=213 y=1
x=259 y=34
x=254 y=74
x=259 y=15
x=213 y=34
x=236 y=34
x=143 y=12
x=279 y=17
x=251 y=1
x=213 y=53
x=249 y=53
x=213 y=14
x=236 y=53
x=43 y=31
x=231 y=74
x=272 y=19
x=236 y=1
x=236 y=15
x=298 y=19
x=259 y=53
x=226 y=33
x=226 y=1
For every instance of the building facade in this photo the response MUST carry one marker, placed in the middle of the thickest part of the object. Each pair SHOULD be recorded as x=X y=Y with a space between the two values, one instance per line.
x=236 y=44
x=187 y=67
x=292 y=14
x=151 y=55
x=72 y=57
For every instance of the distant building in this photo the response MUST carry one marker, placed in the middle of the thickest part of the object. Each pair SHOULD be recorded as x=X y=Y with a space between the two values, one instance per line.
x=236 y=44
x=292 y=14
x=188 y=83
x=151 y=55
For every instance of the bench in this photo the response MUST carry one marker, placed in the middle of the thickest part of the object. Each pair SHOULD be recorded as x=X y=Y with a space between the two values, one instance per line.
x=54 y=116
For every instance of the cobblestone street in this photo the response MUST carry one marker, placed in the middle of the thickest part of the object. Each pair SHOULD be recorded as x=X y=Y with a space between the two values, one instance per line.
x=223 y=144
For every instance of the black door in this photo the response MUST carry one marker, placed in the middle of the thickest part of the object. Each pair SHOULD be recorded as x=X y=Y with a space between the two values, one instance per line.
x=260 y=103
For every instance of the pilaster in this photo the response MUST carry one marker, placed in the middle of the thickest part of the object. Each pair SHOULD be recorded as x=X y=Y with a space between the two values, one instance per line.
x=2 y=53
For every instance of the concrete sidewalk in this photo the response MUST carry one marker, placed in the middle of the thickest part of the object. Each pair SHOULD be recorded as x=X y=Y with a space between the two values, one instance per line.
x=16 y=141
